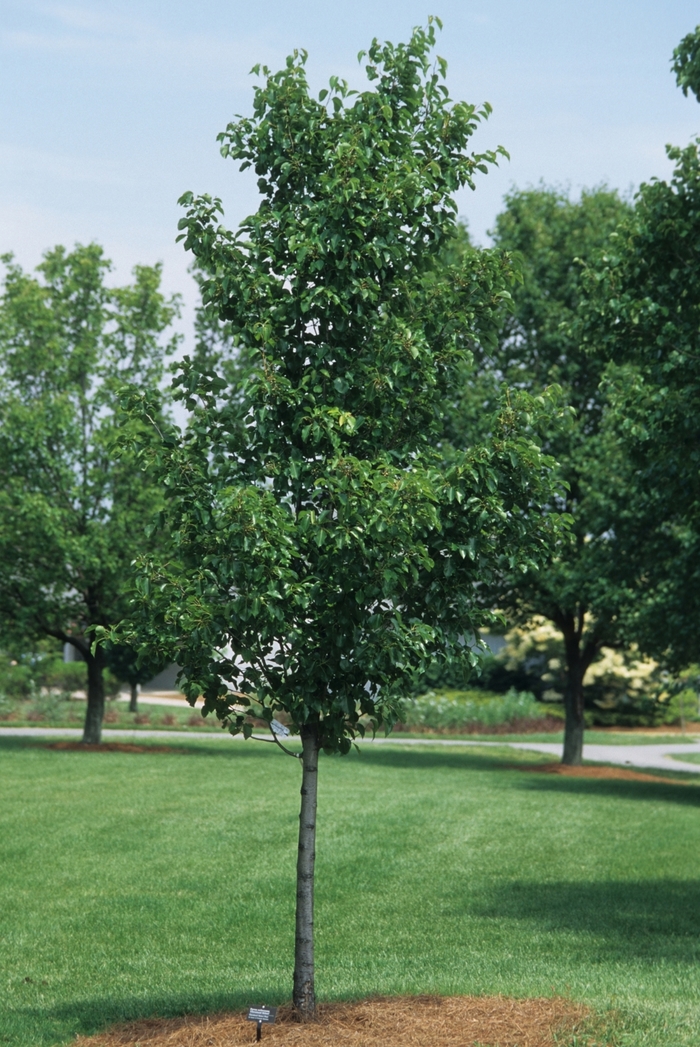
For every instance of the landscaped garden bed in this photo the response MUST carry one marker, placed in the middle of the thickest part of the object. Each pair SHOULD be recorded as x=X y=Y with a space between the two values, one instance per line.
x=404 y=1021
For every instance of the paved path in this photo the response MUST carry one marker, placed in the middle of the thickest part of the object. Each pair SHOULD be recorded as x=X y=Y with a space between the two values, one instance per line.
x=650 y=757
x=658 y=757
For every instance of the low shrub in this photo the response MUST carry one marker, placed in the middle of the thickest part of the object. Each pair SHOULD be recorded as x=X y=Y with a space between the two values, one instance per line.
x=16 y=679
x=48 y=706
x=471 y=712
x=7 y=707
x=63 y=676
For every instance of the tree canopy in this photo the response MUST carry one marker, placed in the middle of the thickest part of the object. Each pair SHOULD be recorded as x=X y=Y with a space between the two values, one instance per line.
x=686 y=63
x=550 y=237
x=73 y=515
x=643 y=314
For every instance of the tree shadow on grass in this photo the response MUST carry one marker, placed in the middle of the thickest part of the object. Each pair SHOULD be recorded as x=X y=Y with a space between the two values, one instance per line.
x=678 y=791
x=410 y=758
x=515 y=762
x=651 y=921
x=44 y=1026
x=193 y=746
x=457 y=759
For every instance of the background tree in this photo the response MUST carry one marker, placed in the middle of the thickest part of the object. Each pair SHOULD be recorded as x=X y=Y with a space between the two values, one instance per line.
x=321 y=557
x=133 y=668
x=686 y=63
x=72 y=514
x=580 y=590
x=643 y=314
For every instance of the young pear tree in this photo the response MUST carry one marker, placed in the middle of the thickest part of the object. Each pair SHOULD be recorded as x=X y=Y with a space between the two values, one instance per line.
x=320 y=556
x=73 y=514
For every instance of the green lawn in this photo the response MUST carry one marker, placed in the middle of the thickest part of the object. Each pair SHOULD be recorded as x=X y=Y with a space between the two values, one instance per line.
x=688 y=757
x=135 y=884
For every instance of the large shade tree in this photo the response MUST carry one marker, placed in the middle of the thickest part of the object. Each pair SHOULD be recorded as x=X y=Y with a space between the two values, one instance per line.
x=643 y=313
x=580 y=590
x=73 y=512
x=321 y=557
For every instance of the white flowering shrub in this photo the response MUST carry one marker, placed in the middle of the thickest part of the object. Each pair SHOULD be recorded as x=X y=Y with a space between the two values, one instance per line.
x=621 y=686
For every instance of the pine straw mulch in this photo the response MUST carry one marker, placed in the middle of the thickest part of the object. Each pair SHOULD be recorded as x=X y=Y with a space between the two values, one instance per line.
x=404 y=1021
x=588 y=771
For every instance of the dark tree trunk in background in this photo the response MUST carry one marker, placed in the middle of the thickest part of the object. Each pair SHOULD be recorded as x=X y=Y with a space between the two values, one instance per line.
x=92 y=732
x=578 y=660
x=134 y=700
x=304 y=992
x=573 y=703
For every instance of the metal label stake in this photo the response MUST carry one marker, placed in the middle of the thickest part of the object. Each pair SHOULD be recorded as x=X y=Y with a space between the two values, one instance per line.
x=261 y=1015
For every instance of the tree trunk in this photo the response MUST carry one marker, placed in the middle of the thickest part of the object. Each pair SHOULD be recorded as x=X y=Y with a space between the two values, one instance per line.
x=304 y=993
x=134 y=701
x=578 y=660
x=573 y=703
x=92 y=732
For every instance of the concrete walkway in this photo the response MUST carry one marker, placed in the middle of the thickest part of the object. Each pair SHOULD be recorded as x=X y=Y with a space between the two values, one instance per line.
x=657 y=757
x=643 y=757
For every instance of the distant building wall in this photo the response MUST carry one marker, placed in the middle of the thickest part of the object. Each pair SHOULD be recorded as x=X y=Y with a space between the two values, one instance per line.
x=164 y=681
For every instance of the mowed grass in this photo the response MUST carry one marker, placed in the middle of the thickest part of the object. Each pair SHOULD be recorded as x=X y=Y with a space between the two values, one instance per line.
x=140 y=884
x=690 y=757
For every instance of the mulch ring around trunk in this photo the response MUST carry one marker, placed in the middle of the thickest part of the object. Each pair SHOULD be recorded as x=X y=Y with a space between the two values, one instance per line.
x=588 y=771
x=404 y=1021
x=110 y=747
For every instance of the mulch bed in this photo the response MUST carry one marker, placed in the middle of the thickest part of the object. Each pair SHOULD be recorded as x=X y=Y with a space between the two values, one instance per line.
x=404 y=1021
x=598 y=772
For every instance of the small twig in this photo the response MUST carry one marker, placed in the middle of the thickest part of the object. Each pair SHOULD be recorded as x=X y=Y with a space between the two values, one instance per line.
x=297 y=756
x=154 y=424
x=275 y=741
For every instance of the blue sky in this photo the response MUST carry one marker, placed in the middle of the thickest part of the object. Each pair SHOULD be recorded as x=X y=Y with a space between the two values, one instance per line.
x=110 y=110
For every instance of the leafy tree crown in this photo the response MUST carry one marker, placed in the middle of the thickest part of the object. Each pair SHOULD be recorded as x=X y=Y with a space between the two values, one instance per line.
x=321 y=556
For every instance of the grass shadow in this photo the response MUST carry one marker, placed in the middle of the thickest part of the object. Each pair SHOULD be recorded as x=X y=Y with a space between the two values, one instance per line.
x=676 y=791
x=408 y=757
x=654 y=921
x=463 y=759
x=179 y=746
x=61 y=1023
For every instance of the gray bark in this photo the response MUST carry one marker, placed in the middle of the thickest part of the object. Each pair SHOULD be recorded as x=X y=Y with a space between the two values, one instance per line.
x=304 y=992
x=575 y=724
x=92 y=732
x=134 y=700
x=578 y=660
